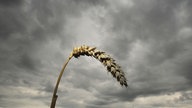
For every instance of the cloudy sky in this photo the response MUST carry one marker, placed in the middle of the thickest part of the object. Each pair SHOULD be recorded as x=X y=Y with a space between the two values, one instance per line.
x=150 y=39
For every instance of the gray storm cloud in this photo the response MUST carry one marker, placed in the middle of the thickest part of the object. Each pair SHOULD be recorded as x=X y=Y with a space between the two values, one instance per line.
x=150 y=39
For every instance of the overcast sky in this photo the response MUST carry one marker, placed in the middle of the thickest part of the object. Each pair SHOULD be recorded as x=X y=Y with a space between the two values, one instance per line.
x=150 y=39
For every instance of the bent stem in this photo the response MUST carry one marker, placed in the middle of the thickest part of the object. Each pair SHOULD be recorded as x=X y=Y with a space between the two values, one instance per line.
x=105 y=59
x=54 y=98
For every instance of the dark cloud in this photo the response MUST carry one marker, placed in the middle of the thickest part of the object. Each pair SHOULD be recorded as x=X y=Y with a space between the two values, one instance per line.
x=26 y=28
x=118 y=45
x=184 y=69
x=150 y=39
x=10 y=2
x=154 y=23
x=91 y=2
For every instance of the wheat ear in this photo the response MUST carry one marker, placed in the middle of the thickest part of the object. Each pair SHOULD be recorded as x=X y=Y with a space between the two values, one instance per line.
x=107 y=61
x=102 y=57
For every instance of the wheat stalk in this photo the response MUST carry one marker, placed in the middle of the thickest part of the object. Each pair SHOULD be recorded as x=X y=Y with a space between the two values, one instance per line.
x=102 y=57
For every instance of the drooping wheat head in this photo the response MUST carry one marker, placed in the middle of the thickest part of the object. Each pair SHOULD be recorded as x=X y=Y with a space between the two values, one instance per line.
x=107 y=61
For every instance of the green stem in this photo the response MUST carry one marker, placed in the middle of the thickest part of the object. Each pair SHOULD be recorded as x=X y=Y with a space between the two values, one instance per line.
x=54 y=98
